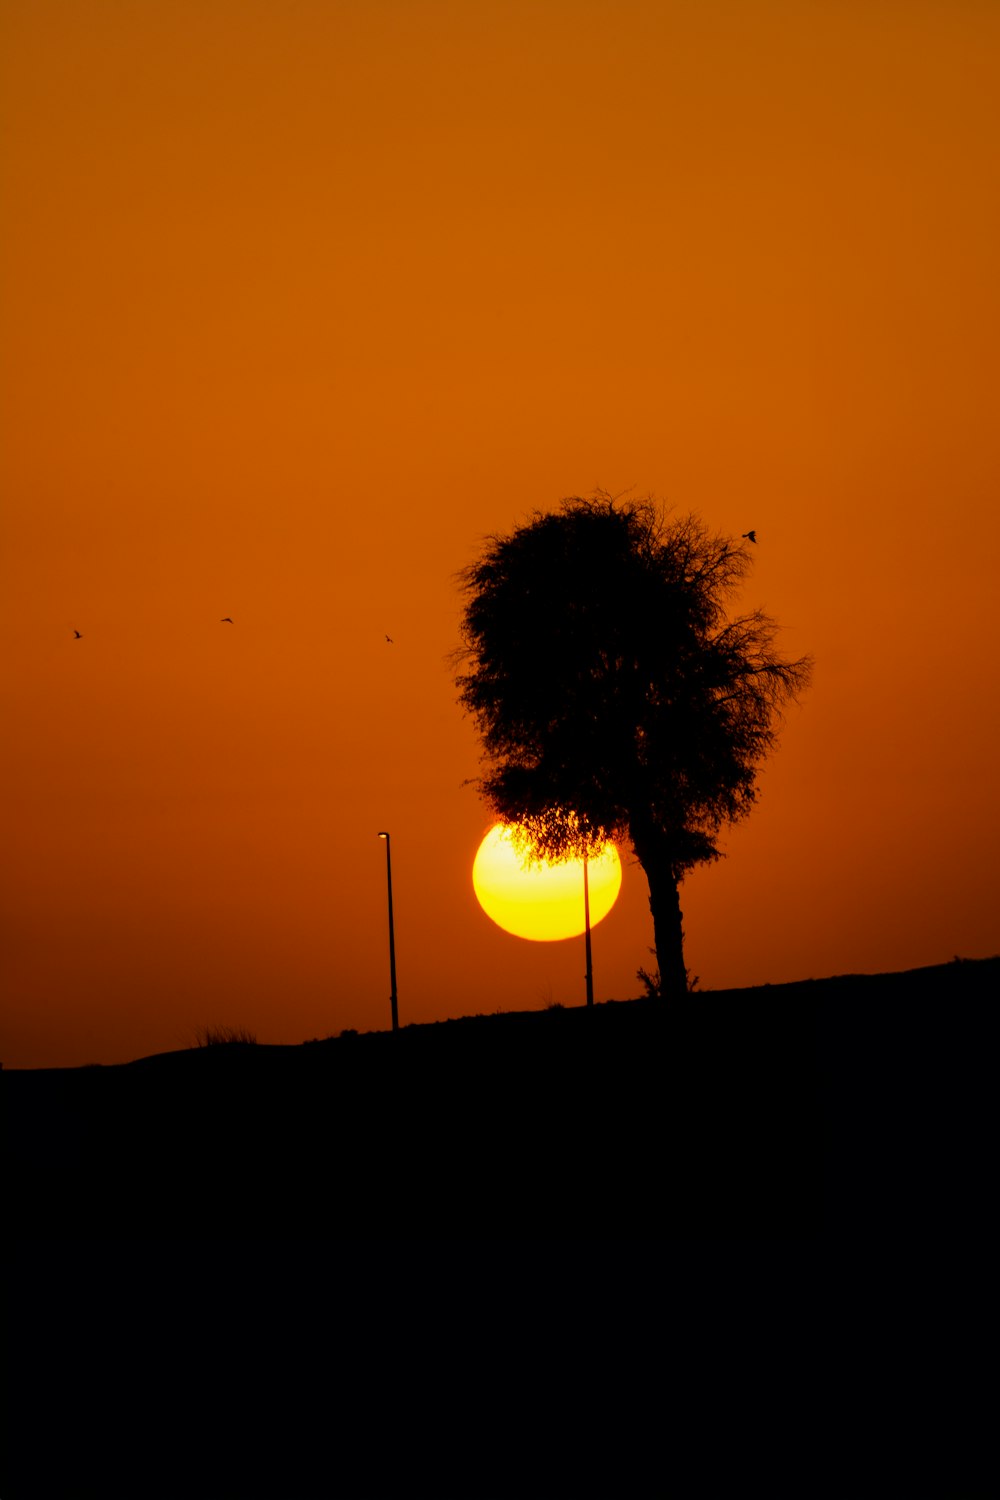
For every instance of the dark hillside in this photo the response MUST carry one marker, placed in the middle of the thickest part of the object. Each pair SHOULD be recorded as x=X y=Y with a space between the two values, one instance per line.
x=765 y=1112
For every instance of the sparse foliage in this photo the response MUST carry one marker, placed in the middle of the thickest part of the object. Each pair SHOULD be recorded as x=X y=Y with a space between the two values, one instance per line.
x=614 y=694
x=650 y=981
x=225 y=1036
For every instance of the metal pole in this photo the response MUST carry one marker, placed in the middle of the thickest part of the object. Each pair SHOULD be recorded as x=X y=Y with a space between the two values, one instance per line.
x=586 y=921
x=392 y=937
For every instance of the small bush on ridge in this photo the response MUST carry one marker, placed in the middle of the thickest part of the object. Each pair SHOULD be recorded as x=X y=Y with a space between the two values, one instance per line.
x=225 y=1036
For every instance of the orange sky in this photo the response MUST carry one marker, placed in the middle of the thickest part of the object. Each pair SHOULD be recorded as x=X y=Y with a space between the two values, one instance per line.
x=300 y=301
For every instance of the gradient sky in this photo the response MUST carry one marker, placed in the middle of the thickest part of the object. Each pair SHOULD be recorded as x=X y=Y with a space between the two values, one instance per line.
x=300 y=301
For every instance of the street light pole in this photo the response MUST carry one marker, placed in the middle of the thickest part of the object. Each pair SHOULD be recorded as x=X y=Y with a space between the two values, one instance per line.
x=586 y=928
x=392 y=937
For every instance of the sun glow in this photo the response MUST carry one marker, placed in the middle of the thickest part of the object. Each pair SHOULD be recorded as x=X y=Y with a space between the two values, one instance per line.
x=541 y=900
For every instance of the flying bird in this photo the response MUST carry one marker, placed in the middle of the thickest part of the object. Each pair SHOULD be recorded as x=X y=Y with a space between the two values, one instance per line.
x=78 y=635
x=390 y=640
x=226 y=620
x=750 y=536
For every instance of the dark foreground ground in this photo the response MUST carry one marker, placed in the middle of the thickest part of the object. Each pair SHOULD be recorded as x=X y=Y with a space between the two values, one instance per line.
x=786 y=1111
x=740 y=1244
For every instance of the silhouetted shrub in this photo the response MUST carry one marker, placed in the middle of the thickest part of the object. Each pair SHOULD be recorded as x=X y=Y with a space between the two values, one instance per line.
x=650 y=982
x=225 y=1036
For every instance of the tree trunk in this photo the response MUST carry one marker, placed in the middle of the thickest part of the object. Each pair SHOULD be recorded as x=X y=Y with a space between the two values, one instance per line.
x=665 y=906
x=668 y=935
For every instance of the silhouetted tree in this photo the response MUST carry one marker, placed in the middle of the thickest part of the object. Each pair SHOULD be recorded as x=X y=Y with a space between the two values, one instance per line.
x=613 y=694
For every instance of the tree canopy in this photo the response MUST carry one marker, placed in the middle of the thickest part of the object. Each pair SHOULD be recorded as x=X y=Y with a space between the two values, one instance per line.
x=616 y=695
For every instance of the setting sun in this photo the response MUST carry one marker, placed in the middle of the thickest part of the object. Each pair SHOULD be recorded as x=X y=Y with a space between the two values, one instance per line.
x=537 y=899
